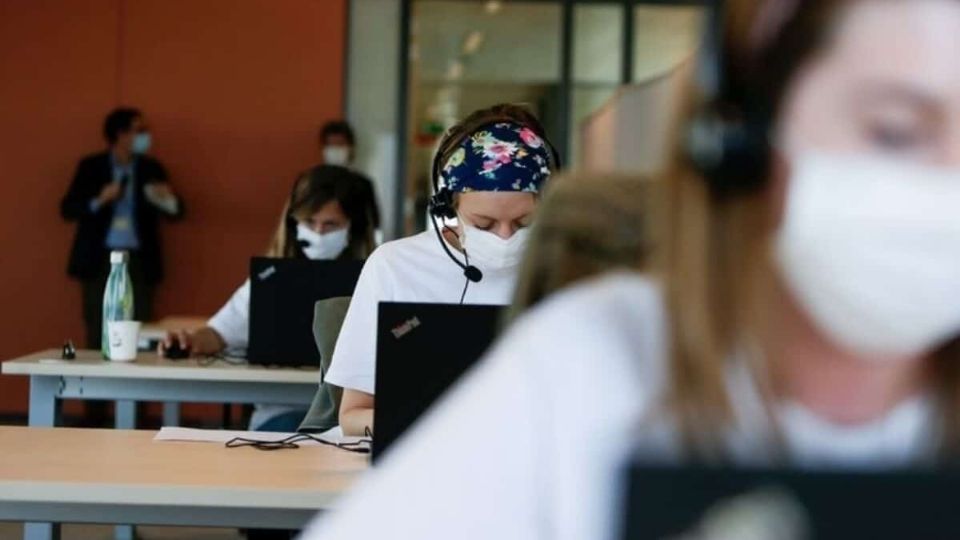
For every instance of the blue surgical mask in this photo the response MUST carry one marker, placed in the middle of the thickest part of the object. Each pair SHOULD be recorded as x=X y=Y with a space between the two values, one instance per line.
x=141 y=143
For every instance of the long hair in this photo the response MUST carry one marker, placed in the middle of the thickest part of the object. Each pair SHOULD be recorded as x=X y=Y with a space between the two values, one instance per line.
x=717 y=273
x=311 y=191
x=585 y=226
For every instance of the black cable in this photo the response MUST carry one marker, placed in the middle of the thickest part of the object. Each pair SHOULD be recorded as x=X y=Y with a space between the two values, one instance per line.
x=361 y=446
x=466 y=285
x=466 y=258
x=210 y=359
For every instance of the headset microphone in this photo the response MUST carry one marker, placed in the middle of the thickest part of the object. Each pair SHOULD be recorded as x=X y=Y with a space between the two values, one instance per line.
x=470 y=272
x=473 y=273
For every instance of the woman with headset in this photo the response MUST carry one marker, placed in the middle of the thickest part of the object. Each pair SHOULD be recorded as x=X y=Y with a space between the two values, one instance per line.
x=331 y=214
x=806 y=313
x=487 y=174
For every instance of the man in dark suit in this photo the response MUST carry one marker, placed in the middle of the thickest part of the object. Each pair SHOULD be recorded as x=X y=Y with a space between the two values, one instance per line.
x=116 y=198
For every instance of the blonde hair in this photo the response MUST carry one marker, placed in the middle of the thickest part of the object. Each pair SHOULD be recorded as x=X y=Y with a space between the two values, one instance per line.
x=585 y=225
x=716 y=266
x=279 y=243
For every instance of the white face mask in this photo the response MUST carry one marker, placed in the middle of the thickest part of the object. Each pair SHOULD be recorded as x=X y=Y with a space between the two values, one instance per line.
x=336 y=155
x=323 y=246
x=141 y=143
x=488 y=251
x=871 y=249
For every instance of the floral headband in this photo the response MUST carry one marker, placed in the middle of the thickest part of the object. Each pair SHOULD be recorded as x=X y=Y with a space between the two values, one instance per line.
x=498 y=157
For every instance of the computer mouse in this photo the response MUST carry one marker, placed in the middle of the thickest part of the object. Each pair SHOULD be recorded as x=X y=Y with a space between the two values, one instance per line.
x=175 y=351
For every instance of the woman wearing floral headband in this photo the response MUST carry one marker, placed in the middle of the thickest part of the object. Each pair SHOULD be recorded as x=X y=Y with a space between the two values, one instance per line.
x=492 y=167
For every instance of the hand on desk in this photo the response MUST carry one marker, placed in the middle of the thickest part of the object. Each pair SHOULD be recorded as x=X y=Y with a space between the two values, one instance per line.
x=204 y=341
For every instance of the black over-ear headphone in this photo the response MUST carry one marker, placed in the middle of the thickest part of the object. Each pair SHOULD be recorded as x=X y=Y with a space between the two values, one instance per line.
x=441 y=203
x=728 y=140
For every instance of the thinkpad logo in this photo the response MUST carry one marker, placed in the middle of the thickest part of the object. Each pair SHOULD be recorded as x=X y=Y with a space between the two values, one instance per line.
x=269 y=271
x=405 y=328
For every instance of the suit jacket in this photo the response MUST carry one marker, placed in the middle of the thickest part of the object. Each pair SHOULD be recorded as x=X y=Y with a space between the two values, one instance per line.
x=90 y=256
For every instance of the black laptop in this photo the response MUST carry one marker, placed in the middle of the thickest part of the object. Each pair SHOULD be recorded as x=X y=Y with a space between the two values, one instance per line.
x=421 y=350
x=282 y=295
x=700 y=503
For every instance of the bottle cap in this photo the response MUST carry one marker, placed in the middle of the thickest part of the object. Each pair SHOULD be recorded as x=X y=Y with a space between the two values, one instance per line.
x=118 y=257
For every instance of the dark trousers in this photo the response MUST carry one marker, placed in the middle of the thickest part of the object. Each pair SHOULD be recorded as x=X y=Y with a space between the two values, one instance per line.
x=93 y=299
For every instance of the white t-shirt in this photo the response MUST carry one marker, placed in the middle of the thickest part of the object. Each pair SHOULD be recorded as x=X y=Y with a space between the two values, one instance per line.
x=232 y=322
x=533 y=442
x=413 y=269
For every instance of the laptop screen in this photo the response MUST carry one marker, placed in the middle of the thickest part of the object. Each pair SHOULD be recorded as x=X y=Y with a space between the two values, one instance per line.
x=717 y=503
x=421 y=350
x=282 y=295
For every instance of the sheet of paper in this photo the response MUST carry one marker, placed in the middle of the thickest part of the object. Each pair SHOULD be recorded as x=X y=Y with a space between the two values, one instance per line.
x=221 y=436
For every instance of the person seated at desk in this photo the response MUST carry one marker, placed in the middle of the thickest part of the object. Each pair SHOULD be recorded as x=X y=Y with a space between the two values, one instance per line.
x=331 y=214
x=492 y=167
x=804 y=312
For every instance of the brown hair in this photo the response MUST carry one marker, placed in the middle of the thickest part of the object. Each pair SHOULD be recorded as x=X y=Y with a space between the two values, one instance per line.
x=312 y=190
x=585 y=225
x=715 y=249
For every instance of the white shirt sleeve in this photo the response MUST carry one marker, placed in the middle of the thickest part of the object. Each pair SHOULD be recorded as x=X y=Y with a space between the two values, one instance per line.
x=354 y=357
x=232 y=322
x=531 y=443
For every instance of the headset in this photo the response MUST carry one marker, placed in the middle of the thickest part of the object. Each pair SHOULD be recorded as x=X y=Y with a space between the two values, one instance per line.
x=441 y=204
x=728 y=139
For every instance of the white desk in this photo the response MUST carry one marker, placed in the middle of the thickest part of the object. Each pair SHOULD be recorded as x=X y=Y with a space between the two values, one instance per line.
x=151 y=378
x=119 y=476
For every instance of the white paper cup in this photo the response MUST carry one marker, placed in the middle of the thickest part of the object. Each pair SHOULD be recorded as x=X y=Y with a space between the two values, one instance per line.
x=123 y=337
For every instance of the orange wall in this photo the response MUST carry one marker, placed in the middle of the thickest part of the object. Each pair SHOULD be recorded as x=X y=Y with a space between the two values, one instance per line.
x=233 y=90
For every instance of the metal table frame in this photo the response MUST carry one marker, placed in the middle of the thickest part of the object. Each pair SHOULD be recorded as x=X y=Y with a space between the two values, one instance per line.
x=47 y=393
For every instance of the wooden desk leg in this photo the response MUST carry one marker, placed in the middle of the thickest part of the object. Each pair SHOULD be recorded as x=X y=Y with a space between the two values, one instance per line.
x=41 y=531
x=125 y=417
x=125 y=414
x=44 y=412
x=171 y=413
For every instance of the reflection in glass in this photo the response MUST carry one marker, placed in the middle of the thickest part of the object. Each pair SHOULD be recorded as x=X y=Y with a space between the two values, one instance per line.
x=597 y=59
x=470 y=55
x=664 y=37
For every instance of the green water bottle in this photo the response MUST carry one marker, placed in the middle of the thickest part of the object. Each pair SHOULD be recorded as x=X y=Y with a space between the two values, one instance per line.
x=117 y=297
